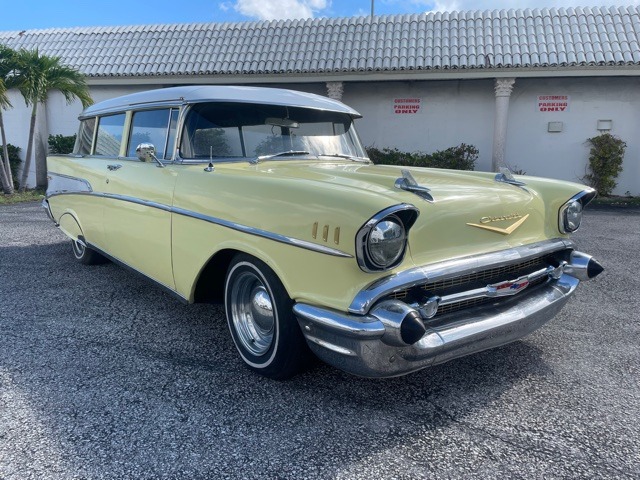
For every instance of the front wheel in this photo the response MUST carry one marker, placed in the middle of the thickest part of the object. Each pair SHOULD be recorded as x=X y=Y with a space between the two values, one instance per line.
x=86 y=255
x=261 y=320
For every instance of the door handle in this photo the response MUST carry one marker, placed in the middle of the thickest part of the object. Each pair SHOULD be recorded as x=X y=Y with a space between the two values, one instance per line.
x=115 y=166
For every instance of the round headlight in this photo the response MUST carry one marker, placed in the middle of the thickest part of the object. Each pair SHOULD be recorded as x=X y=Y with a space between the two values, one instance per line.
x=572 y=216
x=386 y=242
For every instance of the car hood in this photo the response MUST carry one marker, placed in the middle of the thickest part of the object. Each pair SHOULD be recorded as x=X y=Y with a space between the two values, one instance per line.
x=471 y=212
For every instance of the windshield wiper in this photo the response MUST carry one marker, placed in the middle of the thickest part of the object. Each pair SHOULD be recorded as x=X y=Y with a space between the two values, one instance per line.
x=342 y=155
x=279 y=154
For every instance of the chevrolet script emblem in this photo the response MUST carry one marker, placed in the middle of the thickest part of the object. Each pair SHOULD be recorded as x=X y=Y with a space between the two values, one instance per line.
x=484 y=221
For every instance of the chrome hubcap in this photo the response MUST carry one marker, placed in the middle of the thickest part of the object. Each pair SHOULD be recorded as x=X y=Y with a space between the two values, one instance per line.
x=252 y=313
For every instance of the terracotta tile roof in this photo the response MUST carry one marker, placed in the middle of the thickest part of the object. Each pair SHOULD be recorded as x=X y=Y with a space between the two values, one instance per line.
x=530 y=38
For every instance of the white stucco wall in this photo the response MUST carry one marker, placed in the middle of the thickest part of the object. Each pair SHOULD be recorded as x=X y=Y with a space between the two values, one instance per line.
x=565 y=155
x=463 y=111
x=454 y=112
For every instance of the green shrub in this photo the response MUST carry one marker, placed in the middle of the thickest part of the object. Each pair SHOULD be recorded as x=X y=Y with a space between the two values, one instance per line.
x=61 y=144
x=462 y=157
x=605 y=162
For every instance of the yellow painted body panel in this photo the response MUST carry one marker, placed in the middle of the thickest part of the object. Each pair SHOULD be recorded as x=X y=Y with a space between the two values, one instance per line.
x=86 y=209
x=140 y=235
x=325 y=203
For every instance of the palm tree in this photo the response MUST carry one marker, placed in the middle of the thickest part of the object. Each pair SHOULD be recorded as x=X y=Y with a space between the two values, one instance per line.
x=36 y=75
x=6 y=66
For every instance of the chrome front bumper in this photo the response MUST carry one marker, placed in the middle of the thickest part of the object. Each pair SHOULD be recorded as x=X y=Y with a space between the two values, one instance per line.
x=377 y=344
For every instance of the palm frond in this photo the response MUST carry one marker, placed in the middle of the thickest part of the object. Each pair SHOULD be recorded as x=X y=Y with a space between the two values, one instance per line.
x=35 y=75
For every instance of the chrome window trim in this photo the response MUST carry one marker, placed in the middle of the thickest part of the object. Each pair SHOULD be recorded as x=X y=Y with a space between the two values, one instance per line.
x=365 y=299
x=217 y=221
x=584 y=197
x=135 y=107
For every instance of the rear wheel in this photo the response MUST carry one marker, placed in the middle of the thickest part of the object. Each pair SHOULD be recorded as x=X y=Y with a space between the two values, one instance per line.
x=86 y=255
x=261 y=320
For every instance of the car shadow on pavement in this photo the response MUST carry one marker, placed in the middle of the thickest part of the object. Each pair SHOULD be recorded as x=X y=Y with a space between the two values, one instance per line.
x=118 y=377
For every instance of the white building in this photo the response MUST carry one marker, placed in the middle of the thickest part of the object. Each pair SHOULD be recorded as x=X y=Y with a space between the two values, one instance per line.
x=527 y=87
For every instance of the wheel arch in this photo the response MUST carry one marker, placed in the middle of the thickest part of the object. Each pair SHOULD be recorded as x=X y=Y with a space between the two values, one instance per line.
x=209 y=284
x=70 y=226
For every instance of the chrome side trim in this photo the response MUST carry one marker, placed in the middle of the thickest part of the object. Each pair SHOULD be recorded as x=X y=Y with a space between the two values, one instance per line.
x=262 y=233
x=449 y=269
x=59 y=183
x=218 y=221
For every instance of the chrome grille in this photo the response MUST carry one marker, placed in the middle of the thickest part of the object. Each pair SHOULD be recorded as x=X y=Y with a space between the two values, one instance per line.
x=474 y=280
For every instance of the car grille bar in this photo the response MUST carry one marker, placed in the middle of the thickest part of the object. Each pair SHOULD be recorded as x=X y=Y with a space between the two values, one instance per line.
x=469 y=281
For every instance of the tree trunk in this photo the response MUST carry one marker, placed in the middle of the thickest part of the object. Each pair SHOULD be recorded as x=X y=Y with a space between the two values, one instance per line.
x=41 y=146
x=6 y=187
x=27 y=160
x=5 y=175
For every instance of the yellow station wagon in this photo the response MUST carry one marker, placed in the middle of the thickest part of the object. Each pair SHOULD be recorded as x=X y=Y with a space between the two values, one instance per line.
x=265 y=199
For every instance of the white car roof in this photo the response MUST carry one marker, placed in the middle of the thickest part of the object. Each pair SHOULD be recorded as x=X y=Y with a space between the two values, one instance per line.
x=209 y=93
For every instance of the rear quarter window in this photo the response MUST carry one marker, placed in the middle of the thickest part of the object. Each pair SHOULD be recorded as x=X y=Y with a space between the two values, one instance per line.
x=109 y=138
x=84 y=140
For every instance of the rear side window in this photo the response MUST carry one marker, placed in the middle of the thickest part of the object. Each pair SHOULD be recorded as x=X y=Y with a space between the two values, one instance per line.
x=85 y=137
x=151 y=126
x=109 y=137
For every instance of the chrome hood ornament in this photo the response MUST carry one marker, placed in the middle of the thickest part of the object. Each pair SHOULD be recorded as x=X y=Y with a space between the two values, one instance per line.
x=408 y=183
x=506 y=176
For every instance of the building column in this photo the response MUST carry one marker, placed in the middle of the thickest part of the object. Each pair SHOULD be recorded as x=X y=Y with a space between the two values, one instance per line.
x=503 y=89
x=335 y=90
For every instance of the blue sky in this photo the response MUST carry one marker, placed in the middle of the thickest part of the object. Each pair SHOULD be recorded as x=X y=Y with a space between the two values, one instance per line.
x=30 y=14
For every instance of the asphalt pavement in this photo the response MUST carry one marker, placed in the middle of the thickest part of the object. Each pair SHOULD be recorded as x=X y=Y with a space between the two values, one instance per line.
x=102 y=375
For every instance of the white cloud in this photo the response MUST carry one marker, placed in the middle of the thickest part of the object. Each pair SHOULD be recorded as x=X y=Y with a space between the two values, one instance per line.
x=280 y=9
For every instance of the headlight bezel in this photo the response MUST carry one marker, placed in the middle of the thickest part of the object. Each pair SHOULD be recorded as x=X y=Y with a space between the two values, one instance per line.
x=405 y=215
x=581 y=199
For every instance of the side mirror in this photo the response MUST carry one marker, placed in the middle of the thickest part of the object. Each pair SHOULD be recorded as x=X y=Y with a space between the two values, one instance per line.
x=147 y=153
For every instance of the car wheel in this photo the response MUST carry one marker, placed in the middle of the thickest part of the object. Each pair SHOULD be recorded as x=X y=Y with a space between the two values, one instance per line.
x=86 y=255
x=261 y=320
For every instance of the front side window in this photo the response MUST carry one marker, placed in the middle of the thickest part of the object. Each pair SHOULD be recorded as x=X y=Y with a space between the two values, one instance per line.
x=85 y=137
x=109 y=136
x=151 y=126
x=226 y=131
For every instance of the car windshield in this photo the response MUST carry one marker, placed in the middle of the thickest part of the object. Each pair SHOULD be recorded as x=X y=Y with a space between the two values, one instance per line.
x=231 y=131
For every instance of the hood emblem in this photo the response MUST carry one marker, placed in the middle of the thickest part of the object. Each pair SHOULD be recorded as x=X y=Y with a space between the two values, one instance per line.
x=408 y=183
x=484 y=221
